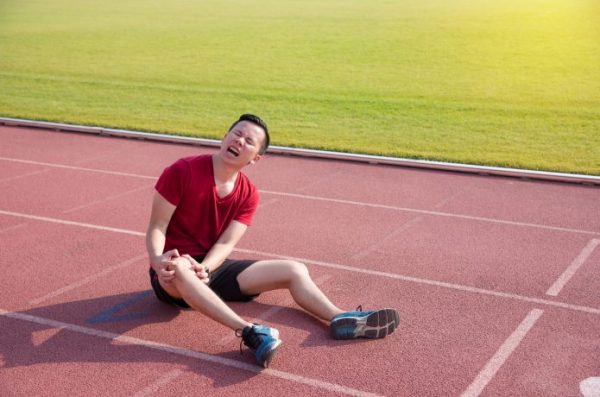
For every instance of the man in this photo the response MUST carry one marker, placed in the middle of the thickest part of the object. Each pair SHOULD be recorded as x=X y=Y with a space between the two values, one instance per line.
x=202 y=207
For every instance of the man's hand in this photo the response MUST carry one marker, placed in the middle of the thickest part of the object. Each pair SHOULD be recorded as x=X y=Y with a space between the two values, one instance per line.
x=163 y=265
x=200 y=269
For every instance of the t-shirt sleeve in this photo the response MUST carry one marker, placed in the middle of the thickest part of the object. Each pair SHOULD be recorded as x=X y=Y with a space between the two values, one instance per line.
x=248 y=209
x=171 y=183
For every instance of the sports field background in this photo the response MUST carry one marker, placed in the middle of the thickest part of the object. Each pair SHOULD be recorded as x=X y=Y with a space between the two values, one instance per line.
x=508 y=82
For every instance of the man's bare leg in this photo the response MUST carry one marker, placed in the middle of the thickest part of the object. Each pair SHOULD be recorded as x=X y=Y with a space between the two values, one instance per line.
x=269 y=275
x=200 y=297
x=263 y=341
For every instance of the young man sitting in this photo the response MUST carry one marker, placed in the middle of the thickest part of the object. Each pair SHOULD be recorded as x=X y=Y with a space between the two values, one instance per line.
x=202 y=207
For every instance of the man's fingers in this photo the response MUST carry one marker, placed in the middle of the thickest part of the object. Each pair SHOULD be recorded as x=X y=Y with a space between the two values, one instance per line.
x=167 y=273
x=191 y=260
x=167 y=266
x=172 y=253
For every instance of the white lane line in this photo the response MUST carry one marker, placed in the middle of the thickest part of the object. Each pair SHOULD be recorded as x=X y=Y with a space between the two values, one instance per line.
x=573 y=267
x=332 y=200
x=113 y=153
x=129 y=340
x=72 y=223
x=502 y=354
x=71 y=167
x=87 y=280
x=160 y=382
x=424 y=281
x=106 y=199
x=13 y=178
x=434 y=213
x=446 y=200
x=264 y=204
x=387 y=238
x=395 y=276
x=13 y=227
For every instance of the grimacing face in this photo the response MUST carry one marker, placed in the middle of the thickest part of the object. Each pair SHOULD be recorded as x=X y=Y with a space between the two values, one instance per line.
x=241 y=145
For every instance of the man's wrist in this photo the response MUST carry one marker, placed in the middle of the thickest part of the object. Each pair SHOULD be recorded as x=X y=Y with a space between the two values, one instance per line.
x=155 y=259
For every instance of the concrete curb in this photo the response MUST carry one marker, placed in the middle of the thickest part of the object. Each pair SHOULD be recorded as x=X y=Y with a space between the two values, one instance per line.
x=433 y=165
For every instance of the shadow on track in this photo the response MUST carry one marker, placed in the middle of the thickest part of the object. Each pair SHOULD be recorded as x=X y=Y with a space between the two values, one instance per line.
x=28 y=343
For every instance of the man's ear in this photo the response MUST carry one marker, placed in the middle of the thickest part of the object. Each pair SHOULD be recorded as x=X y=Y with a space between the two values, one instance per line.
x=256 y=158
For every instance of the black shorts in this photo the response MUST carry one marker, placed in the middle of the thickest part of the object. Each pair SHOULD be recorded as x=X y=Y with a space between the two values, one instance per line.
x=223 y=282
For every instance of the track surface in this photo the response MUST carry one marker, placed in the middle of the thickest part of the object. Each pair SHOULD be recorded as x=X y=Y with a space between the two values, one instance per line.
x=496 y=279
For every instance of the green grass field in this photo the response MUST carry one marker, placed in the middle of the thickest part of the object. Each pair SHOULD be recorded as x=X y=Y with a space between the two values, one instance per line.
x=498 y=82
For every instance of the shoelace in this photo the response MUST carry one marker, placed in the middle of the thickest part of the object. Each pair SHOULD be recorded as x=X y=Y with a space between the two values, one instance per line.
x=254 y=339
x=359 y=308
x=239 y=332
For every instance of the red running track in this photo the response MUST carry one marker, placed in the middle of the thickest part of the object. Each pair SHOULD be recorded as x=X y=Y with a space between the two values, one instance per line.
x=496 y=279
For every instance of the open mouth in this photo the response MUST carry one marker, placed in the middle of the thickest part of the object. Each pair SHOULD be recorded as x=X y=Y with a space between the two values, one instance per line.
x=233 y=151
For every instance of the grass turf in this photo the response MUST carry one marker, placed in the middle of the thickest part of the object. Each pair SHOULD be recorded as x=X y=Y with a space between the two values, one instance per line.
x=508 y=83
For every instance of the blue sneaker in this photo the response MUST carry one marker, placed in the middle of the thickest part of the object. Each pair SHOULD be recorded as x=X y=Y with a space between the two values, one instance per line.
x=262 y=340
x=358 y=324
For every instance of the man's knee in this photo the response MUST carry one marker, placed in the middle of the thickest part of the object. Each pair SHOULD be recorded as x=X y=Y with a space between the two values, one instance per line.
x=181 y=266
x=297 y=269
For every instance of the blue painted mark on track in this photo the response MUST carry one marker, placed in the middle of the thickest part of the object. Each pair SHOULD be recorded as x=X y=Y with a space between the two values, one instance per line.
x=110 y=315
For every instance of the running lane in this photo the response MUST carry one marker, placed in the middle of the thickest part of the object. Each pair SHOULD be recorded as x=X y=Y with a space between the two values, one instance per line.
x=495 y=278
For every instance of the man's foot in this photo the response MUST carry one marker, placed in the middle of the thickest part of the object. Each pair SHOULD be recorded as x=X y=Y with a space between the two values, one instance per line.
x=358 y=324
x=262 y=340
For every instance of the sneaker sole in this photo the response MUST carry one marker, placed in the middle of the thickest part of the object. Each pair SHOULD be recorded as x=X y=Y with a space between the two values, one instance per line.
x=269 y=354
x=376 y=325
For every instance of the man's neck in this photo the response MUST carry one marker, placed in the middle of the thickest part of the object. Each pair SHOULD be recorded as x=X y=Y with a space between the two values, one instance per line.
x=223 y=171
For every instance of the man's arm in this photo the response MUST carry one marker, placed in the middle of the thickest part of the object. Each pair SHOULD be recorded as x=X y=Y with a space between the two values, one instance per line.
x=224 y=245
x=161 y=214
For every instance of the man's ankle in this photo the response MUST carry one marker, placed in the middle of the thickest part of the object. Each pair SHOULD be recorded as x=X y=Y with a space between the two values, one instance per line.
x=241 y=325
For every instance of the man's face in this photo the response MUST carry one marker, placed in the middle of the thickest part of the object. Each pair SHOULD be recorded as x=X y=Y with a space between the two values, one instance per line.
x=241 y=144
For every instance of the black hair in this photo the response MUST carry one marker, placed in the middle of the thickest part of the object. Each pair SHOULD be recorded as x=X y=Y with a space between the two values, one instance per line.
x=259 y=122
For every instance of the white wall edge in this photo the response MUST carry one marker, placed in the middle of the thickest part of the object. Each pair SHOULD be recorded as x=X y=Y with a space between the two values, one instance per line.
x=371 y=159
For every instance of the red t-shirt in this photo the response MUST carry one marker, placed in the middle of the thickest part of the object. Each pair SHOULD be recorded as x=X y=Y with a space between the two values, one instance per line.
x=201 y=215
